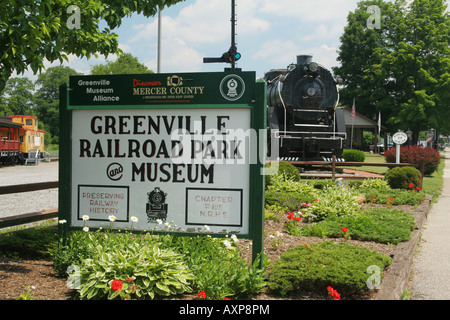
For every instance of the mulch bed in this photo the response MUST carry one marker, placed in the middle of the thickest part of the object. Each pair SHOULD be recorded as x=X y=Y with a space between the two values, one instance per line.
x=18 y=275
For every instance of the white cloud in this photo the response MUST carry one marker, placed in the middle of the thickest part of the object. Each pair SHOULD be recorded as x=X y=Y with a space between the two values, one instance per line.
x=279 y=54
x=309 y=10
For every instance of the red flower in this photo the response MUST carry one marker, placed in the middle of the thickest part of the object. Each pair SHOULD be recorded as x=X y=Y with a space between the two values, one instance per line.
x=333 y=293
x=411 y=185
x=201 y=295
x=226 y=298
x=292 y=217
x=116 y=285
x=344 y=229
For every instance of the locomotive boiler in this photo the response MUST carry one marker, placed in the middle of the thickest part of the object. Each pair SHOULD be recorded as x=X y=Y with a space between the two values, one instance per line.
x=303 y=119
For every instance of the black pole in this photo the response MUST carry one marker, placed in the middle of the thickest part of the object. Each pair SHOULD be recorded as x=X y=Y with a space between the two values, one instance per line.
x=233 y=32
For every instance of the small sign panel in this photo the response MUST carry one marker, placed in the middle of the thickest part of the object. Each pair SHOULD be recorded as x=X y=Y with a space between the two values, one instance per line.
x=399 y=138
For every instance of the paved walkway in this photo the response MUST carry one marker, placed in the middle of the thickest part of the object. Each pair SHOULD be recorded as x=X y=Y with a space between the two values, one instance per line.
x=430 y=277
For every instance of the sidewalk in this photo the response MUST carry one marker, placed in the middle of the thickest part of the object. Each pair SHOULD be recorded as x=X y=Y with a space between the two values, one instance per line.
x=430 y=275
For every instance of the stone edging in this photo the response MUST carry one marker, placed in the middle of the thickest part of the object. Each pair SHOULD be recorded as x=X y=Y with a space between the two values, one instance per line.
x=397 y=275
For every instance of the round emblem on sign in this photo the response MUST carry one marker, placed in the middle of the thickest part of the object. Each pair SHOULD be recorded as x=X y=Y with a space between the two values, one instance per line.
x=114 y=171
x=232 y=87
x=399 y=138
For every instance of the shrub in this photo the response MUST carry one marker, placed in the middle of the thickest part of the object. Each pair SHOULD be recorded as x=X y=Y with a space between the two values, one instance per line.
x=149 y=265
x=286 y=171
x=337 y=201
x=219 y=270
x=352 y=155
x=401 y=196
x=29 y=243
x=402 y=177
x=319 y=265
x=142 y=271
x=374 y=184
x=413 y=155
x=381 y=225
x=289 y=195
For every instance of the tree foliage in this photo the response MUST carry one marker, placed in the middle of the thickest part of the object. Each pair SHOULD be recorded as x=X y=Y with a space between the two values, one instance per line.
x=32 y=31
x=125 y=64
x=402 y=68
x=46 y=98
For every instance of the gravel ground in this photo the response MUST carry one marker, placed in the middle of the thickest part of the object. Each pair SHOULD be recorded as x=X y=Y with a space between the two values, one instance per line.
x=13 y=204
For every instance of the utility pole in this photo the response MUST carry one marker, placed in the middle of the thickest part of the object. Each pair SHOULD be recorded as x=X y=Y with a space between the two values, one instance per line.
x=159 y=41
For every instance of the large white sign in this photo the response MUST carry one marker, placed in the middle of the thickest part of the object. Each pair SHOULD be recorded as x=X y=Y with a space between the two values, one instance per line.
x=187 y=168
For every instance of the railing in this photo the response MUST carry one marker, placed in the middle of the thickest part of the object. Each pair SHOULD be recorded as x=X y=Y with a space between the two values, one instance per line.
x=28 y=217
x=334 y=164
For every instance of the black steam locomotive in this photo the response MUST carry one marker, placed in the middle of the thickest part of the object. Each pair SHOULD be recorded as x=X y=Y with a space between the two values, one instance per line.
x=303 y=119
x=156 y=206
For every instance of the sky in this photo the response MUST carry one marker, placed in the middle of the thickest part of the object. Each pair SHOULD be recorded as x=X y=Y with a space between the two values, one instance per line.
x=270 y=34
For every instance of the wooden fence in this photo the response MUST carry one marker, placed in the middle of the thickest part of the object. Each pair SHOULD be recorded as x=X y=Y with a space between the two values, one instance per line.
x=333 y=163
x=28 y=217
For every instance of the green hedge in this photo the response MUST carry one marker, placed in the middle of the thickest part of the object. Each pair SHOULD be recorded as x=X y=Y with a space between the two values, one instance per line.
x=319 y=265
x=352 y=155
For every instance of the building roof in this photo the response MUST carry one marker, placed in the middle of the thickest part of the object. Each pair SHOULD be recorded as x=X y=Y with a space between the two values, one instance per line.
x=6 y=122
x=360 y=120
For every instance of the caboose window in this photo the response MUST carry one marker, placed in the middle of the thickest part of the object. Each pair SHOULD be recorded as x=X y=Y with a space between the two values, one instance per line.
x=29 y=122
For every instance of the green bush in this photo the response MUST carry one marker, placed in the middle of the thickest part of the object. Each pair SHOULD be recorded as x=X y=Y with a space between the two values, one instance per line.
x=332 y=201
x=219 y=271
x=145 y=271
x=319 y=265
x=401 y=196
x=381 y=225
x=352 y=155
x=402 y=177
x=149 y=265
x=29 y=243
x=285 y=171
x=374 y=184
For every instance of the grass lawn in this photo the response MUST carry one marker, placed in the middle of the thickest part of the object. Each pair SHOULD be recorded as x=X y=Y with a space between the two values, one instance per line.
x=372 y=159
x=432 y=184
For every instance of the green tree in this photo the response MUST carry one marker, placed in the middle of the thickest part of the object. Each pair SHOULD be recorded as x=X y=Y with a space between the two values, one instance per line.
x=47 y=98
x=361 y=52
x=125 y=64
x=400 y=69
x=32 y=31
x=18 y=97
x=418 y=68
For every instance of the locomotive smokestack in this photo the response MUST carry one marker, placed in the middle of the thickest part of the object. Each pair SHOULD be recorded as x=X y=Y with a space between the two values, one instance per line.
x=304 y=59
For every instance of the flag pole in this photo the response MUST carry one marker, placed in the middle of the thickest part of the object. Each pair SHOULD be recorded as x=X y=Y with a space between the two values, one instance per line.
x=353 y=115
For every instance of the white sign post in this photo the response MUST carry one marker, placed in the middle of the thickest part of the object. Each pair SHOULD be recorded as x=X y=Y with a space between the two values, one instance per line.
x=399 y=138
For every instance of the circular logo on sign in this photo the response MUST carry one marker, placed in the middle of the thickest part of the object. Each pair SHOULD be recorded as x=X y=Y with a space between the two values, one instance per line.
x=114 y=171
x=232 y=87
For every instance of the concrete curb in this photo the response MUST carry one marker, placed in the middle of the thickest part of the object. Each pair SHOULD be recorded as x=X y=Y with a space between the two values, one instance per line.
x=397 y=275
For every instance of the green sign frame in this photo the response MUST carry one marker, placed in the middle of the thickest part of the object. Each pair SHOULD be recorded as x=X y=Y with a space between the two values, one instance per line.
x=182 y=93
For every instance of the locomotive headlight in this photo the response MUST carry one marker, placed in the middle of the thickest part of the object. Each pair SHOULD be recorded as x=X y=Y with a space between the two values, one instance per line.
x=311 y=91
x=313 y=67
